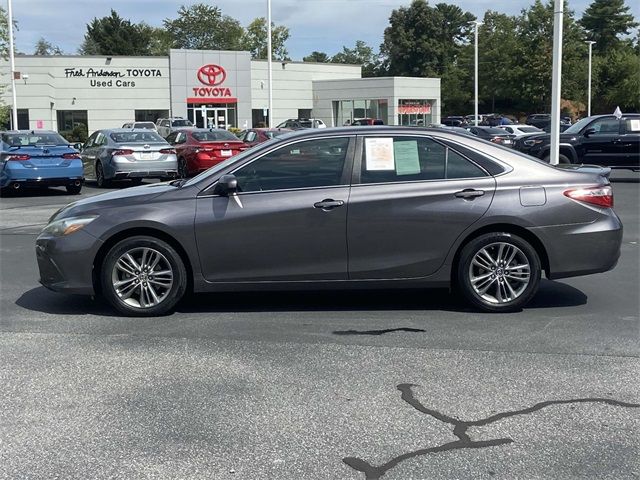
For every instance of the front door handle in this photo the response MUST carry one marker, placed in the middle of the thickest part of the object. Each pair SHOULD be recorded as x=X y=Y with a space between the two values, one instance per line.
x=328 y=204
x=469 y=193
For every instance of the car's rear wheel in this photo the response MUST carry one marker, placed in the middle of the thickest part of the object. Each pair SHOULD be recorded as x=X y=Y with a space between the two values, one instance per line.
x=74 y=189
x=100 y=180
x=499 y=272
x=143 y=276
x=136 y=181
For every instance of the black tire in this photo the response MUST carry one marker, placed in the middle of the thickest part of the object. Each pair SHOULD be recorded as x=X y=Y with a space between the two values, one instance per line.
x=136 y=181
x=562 y=159
x=74 y=189
x=183 y=170
x=101 y=182
x=500 y=295
x=130 y=299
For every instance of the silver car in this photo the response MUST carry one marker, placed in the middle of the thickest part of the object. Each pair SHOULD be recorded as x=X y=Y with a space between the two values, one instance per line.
x=132 y=154
x=352 y=207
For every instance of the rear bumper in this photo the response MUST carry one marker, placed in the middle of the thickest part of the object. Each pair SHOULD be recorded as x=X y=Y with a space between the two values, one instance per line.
x=141 y=169
x=16 y=172
x=47 y=182
x=582 y=249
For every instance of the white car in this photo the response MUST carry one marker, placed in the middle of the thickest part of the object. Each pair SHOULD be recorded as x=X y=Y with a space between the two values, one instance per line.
x=520 y=130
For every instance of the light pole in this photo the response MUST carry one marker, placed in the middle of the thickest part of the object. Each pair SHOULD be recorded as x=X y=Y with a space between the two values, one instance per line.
x=590 y=43
x=556 y=82
x=12 y=62
x=477 y=24
x=269 y=78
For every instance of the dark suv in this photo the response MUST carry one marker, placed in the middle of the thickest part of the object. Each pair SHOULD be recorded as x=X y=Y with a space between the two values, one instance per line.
x=601 y=139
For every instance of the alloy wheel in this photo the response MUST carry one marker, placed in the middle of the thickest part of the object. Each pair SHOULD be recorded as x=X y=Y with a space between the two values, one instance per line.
x=142 y=277
x=499 y=273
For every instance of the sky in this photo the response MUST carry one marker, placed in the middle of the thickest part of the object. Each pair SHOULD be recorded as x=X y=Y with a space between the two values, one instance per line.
x=323 y=25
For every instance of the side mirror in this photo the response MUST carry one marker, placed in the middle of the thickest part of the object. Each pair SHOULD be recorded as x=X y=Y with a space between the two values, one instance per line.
x=227 y=184
x=589 y=131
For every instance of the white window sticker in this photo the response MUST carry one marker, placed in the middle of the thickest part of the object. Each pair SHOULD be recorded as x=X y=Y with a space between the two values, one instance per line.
x=379 y=152
x=407 y=159
x=634 y=125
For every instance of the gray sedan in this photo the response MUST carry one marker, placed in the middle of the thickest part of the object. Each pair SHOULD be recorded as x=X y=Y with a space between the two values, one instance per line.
x=131 y=154
x=365 y=207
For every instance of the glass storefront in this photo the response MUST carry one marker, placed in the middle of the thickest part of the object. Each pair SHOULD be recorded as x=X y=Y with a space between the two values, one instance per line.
x=213 y=115
x=346 y=111
x=414 y=112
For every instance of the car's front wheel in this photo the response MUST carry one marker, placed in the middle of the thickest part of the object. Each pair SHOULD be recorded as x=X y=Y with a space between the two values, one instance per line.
x=498 y=272
x=143 y=276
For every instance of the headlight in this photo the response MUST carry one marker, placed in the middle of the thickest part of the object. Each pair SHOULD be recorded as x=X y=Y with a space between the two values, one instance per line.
x=531 y=143
x=67 y=226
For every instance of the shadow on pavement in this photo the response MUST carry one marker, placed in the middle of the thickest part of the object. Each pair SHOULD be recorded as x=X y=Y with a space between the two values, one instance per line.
x=551 y=295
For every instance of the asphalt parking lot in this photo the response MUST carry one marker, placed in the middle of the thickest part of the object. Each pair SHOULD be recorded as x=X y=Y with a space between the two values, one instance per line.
x=331 y=385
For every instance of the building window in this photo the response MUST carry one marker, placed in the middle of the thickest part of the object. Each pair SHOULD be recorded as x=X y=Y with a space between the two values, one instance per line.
x=258 y=117
x=150 y=115
x=346 y=112
x=70 y=119
x=23 y=119
x=213 y=115
x=414 y=112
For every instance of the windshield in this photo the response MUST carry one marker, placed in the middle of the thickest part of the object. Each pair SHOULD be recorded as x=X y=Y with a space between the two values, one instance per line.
x=275 y=133
x=579 y=125
x=181 y=123
x=494 y=131
x=33 y=139
x=136 y=137
x=149 y=125
x=214 y=136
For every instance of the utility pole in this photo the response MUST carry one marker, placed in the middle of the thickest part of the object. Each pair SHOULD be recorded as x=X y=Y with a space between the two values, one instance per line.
x=556 y=83
x=590 y=43
x=477 y=24
x=12 y=62
x=269 y=73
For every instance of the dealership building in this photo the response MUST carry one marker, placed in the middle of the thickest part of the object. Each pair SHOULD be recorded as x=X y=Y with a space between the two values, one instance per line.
x=211 y=88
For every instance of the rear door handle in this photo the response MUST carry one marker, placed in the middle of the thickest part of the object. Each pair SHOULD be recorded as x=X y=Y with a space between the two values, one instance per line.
x=328 y=204
x=469 y=193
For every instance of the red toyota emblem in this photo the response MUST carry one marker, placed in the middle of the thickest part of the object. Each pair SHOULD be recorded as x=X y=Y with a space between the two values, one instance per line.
x=211 y=75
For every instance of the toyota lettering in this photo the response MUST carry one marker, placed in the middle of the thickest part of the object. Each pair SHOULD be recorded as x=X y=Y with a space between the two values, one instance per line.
x=212 y=76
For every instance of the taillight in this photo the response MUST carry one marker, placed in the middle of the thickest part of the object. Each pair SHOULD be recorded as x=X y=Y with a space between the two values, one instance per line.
x=71 y=156
x=497 y=139
x=168 y=151
x=18 y=158
x=599 y=196
x=121 y=153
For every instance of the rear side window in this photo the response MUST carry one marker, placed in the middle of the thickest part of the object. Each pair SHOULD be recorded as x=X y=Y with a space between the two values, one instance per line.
x=606 y=126
x=404 y=159
x=631 y=125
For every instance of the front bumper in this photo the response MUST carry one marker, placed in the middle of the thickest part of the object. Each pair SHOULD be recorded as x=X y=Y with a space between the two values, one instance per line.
x=66 y=263
x=582 y=249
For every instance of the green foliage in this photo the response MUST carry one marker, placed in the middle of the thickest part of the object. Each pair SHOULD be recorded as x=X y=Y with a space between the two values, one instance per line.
x=112 y=35
x=79 y=134
x=4 y=53
x=204 y=27
x=160 y=41
x=254 y=40
x=617 y=82
x=318 y=57
x=605 y=21
x=43 y=47
x=360 y=54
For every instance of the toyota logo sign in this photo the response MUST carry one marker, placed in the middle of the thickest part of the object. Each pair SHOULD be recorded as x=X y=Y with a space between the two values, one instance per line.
x=211 y=75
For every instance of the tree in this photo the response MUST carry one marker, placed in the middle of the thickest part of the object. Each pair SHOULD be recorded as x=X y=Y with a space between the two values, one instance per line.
x=424 y=41
x=4 y=54
x=112 y=35
x=160 y=41
x=255 y=40
x=43 y=47
x=618 y=82
x=318 y=57
x=361 y=54
x=204 y=27
x=605 y=22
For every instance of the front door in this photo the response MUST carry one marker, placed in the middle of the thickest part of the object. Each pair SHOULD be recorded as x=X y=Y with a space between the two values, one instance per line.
x=412 y=197
x=288 y=221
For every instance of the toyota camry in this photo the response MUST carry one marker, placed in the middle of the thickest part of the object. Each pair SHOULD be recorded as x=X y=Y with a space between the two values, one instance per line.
x=365 y=207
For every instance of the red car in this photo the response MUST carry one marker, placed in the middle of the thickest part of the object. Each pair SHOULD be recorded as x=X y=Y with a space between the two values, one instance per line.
x=198 y=149
x=254 y=136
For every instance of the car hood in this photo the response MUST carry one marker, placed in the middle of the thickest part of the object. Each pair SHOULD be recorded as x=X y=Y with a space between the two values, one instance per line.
x=129 y=196
x=564 y=138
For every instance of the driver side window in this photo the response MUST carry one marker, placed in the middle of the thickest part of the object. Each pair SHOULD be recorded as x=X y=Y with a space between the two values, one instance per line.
x=606 y=126
x=306 y=164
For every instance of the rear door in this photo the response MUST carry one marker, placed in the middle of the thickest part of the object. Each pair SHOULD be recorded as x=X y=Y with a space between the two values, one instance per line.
x=410 y=200
x=629 y=142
